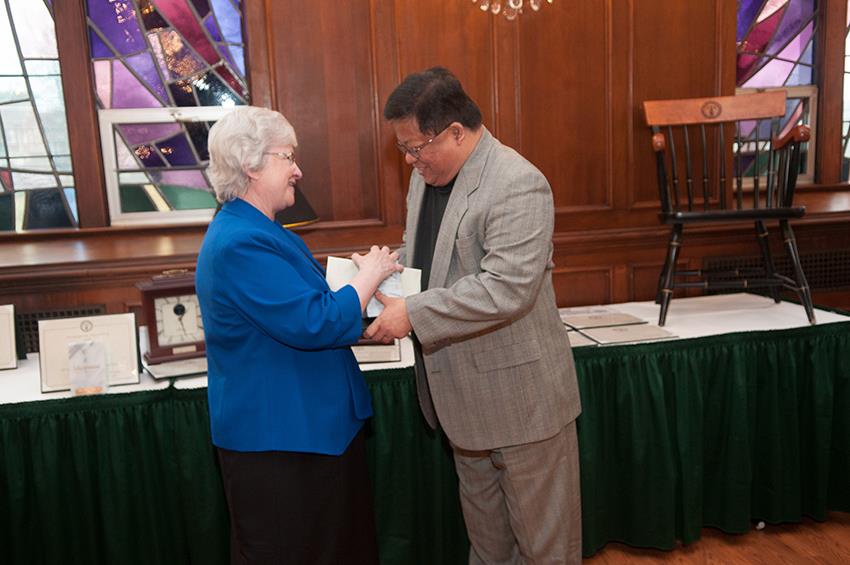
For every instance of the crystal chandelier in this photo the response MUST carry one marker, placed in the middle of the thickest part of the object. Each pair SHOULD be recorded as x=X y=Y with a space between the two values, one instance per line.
x=509 y=8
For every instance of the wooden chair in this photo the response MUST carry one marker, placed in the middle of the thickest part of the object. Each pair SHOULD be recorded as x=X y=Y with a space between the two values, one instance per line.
x=722 y=160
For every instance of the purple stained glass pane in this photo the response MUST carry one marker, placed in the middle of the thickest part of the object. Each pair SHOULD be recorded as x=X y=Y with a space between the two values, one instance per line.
x=222 y=49
x=212 y=28
x=202 y=7
x=228 y=19
x=774 y=73
x=183 y=20
x=756 y=42
x=144 y=67
x=136 y=134
x=796 y=16
x=238 y=53
x=179 y=59
x=128 y=92
x=747 y=12
x=177 y=151
x=152 y=21
x=194 y=179
x=117 y=22
x=802 y=74
x=148 y=156
x=182 y=92
x=99 y=49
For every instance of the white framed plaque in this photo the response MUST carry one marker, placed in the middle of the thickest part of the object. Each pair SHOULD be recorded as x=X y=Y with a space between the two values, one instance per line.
x=114 y=334
x=8 y=349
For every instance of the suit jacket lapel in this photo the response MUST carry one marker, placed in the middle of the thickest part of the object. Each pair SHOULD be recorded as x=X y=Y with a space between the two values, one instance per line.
x=417 y=193
x=467 y=182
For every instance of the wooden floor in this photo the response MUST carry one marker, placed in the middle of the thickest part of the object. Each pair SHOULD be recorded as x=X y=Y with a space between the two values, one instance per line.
x=815 y=543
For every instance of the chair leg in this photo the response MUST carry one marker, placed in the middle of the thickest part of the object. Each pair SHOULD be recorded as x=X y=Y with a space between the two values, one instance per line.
x=661 y=278
x=666 y=290
x=769 y=268
x=803 y=287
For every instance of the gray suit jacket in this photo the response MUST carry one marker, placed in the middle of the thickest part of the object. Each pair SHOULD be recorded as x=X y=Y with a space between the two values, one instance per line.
x=499 y=367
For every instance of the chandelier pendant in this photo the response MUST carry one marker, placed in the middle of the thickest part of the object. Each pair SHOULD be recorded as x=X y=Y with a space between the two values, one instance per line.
x=508 y=8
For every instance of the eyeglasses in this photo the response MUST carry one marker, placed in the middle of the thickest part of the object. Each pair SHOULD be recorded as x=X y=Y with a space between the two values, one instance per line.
x=282 y=155
x=416 y=152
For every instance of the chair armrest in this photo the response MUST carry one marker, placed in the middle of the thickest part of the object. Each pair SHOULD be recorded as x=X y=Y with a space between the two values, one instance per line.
x=798 y=133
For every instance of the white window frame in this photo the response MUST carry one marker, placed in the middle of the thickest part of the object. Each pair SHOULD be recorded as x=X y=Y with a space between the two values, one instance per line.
x=107 y=119
x=809 y=93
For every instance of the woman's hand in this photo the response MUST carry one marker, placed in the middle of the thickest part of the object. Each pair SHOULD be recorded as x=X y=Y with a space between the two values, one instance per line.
x=374 y=267
x=380 y=260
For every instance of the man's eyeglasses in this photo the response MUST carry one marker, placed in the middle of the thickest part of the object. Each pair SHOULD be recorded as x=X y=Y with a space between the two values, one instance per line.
x=282 y=155
x=416 y=151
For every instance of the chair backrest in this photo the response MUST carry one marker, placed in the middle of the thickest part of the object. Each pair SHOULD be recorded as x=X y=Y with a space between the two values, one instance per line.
x=708 y=149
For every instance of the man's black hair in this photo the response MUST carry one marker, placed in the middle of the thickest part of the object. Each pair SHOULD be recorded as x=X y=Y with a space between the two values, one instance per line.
x=435 y=98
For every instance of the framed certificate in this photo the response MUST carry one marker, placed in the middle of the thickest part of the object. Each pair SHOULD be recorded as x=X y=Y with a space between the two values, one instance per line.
x=8 y=349
x=60 y=342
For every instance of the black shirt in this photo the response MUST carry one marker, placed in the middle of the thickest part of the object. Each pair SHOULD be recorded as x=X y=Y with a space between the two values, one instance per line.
x=431 y=216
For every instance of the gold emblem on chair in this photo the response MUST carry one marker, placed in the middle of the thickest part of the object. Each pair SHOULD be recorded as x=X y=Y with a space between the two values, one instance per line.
x=711 y=109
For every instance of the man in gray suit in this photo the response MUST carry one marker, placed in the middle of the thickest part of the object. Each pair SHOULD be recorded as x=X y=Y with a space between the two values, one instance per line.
x=494 y=365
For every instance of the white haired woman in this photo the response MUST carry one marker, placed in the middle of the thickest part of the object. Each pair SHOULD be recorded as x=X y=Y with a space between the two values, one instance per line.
x=287 y=400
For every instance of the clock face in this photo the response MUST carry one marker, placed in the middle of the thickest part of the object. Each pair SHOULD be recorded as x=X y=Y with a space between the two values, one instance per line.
x=178 y=320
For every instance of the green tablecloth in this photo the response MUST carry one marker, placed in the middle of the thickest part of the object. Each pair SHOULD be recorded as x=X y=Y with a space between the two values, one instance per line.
x=716 y=431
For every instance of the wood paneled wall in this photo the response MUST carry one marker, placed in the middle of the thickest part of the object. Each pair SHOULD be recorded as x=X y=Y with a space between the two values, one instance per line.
x=564 y=86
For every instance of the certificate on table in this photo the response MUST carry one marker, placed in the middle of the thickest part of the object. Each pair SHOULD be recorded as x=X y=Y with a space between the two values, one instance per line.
x=596 y=317
x=578 y=339
x=611 y=335
x=116 y=334
x=8 y=350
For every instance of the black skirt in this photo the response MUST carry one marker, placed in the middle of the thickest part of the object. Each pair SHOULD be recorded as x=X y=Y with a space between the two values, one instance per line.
x=290 y=508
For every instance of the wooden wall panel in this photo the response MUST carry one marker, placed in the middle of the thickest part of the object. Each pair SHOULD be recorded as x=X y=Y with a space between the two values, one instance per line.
x=451 y=34
x=565 y=100
x=676 y=55
x=576 y=287
x=322 y=54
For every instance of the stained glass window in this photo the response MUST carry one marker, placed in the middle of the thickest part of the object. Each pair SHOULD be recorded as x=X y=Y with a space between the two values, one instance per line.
x=159 y=158
x=158 y=54
x=36 y=180
x=845 y=120
x=776 y=45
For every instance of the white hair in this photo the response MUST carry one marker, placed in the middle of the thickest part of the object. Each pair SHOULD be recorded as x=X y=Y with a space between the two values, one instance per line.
x=238 y=142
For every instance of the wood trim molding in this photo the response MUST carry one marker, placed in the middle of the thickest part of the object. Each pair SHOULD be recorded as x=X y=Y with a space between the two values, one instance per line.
x=81 y=113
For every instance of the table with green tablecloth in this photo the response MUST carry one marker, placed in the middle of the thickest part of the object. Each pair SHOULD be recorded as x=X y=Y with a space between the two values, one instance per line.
x=713 y=431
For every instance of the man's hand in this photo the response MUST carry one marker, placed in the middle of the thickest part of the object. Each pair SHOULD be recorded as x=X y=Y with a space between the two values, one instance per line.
x=393 y=321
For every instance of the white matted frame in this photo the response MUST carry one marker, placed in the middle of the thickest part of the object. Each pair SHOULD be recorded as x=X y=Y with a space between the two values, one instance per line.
x=116 y=331
x=109 y=120
x=8 y=346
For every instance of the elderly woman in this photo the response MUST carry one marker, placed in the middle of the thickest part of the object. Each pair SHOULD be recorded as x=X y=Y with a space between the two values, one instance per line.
x=287 y=400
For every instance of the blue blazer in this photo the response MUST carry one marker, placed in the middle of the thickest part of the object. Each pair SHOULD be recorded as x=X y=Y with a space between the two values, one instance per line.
x=281 y=373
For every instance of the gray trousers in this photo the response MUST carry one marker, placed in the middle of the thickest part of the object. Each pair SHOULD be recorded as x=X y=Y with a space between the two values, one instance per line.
x=522 y=504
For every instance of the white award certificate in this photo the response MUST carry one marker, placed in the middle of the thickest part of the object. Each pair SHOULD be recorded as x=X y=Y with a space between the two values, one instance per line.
x=340 y=272
x=115 y=334
x=8 y=350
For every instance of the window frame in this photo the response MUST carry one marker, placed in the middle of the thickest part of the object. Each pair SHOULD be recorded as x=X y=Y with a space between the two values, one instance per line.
x=112 y=116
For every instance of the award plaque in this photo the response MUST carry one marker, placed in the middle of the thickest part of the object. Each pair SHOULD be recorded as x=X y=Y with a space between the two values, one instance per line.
x=8 y=349
x=85 y=347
